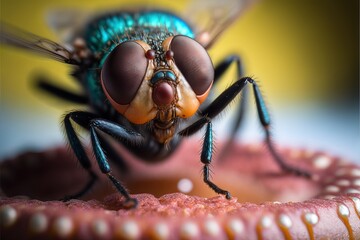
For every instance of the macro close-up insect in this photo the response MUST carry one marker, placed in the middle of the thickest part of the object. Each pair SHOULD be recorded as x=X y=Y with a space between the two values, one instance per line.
x=146 y=82
x=145 y=73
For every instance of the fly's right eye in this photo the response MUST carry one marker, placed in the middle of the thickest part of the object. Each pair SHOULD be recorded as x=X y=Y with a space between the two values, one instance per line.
x=194 y=63
x=123 y=71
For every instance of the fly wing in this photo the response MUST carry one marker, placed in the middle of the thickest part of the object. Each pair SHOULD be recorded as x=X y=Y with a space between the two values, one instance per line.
x=67 y=23
x=212 y=17
x=18 y=38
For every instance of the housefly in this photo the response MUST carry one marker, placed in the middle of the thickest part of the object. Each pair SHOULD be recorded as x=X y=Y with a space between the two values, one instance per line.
x=144 y=73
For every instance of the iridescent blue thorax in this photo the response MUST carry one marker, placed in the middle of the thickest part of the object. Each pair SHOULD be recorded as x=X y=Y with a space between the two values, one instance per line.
x=105 y=33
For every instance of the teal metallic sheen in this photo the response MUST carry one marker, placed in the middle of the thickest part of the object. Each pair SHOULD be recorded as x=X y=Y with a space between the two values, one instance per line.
x=207 y=150
x=115 y=28
x=157 y=77
x=260 y=103
x=170 y=75
x=163 y=75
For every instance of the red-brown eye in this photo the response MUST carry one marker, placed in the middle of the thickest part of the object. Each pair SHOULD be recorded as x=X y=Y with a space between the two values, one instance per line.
x=194 y=63
x=123 y=72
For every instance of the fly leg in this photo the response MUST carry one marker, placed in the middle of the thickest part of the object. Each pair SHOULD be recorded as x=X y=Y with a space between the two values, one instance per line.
x=114 y=156
x=206 y=157
x=215 y=108
x=221 y=68
x=224 y=99
x=78 y=149
x=121 y=134
x=94 y=124
x=208 y=114
x=206 y=152
x=265 y=122
x=62 y=93
x=242 y=106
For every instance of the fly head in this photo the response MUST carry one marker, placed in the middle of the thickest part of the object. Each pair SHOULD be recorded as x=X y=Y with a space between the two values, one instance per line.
x=154 y=84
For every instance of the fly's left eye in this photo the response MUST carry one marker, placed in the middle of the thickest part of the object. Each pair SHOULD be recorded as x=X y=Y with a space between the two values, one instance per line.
x=194 y=63
x=123 y=72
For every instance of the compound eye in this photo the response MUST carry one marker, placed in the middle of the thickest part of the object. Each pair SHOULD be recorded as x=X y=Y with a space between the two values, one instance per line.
x=194 y=63
x=123 y=71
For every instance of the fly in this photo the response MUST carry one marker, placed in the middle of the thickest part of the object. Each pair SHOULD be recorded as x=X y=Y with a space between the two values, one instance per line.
x=145 y=73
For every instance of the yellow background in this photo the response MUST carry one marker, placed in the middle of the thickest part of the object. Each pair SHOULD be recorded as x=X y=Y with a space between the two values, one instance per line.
x=303 y=53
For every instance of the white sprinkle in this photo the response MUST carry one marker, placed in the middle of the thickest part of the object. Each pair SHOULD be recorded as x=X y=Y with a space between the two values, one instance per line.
x=265 y=222
x=161 y=231
x=236 y=226
x=322 y=162
x=285 y=220
x=130 y=230
x=276 y=202
x=8 y=216
x=357 y=203
x=355 y=172
x=356 y=182
x=38 y=223
x=341 y=172
x=63 y=226
x=212 y=227
x=332 y=188
x=185 y=185
x=352 y=190
x=100 y=227
x=343 y=182
x=311 y=218
x=329 y=197
x=189 y=230
x=343 y=210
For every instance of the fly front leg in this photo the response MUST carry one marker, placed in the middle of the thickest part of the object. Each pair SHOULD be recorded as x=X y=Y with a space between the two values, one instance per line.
x=206 y=157
x=206 y=152
x=241 y=107
x=121 y=134
x=217 y=106
x=209 y=113
x=113 y=155
x=94 y=124
x=83 y=120
x=220 y=70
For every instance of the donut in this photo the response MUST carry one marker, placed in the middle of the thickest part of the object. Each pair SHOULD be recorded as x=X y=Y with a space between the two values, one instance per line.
x=174 y=203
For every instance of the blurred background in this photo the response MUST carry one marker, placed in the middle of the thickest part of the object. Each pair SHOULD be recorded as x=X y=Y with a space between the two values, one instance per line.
x=304 y=54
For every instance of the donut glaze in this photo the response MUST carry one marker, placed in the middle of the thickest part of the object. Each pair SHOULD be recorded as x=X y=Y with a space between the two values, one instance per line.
x=266 y=203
